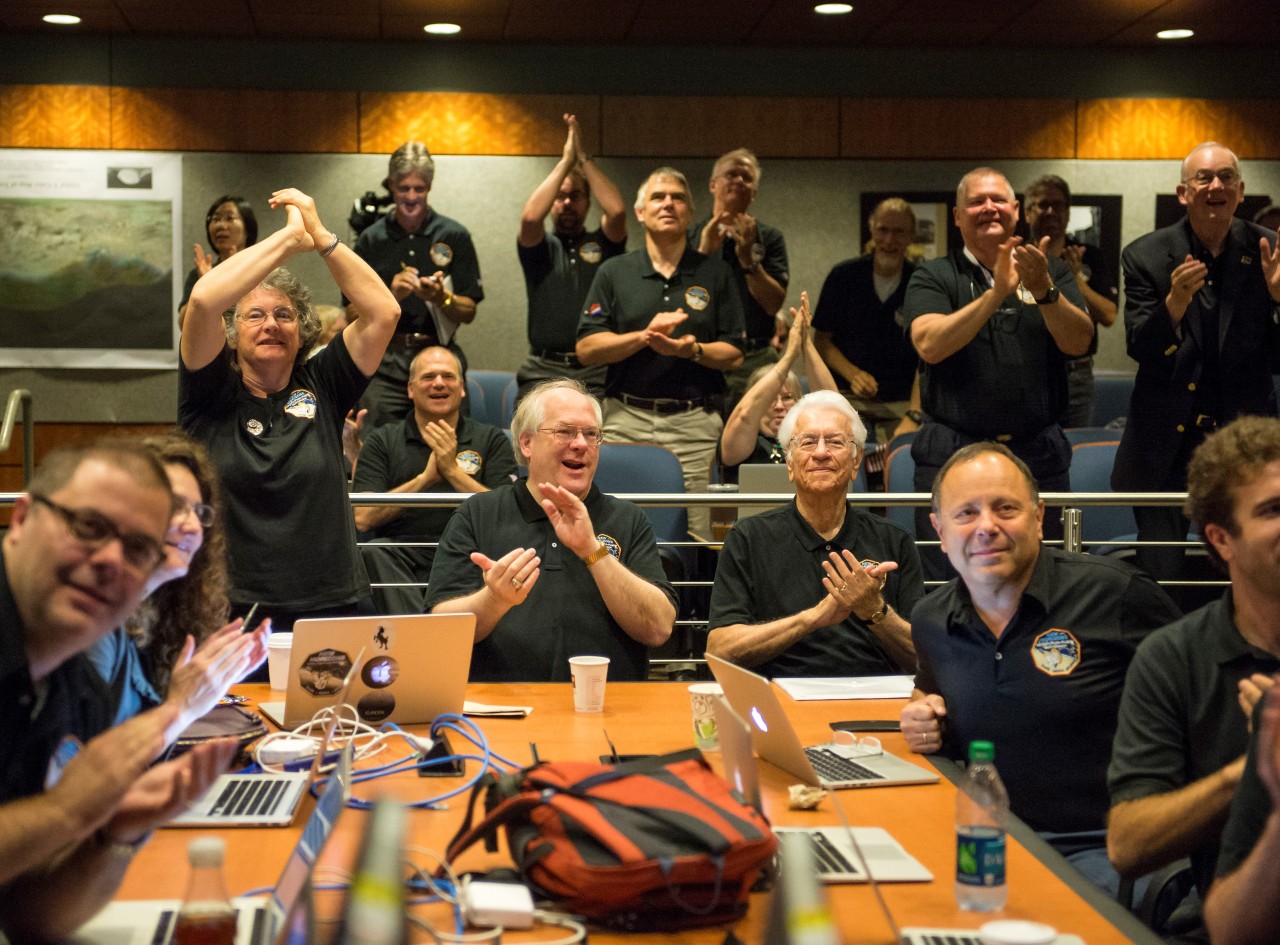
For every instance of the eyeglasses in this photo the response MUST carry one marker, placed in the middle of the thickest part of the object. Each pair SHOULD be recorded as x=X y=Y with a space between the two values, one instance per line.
x=808 y=442
x=786 y=399
x=257 y=317
x=566 y=435
x=203 y=513
x=1229 y=177
x=141 y=552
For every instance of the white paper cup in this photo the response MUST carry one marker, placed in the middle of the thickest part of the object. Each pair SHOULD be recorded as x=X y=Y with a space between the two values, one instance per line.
x=588 y=674
x=702 y=698
x=279 y=645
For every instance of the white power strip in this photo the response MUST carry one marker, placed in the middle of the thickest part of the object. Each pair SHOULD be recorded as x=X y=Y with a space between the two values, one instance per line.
x=287 y=750
x=509 y=905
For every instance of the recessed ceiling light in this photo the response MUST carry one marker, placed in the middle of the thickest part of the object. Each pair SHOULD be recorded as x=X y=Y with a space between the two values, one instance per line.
x=833 y=8
x=442 y=29
x=1175 y=34
x=61 y=19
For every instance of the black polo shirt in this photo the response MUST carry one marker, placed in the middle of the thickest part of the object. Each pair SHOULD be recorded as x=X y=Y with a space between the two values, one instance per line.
x=771 y=567
x=76 y=702
x=628 y=292
x=1046 y=691
x=440 y=244
x=564 y=615
x=395 y=453
x=557 y=274
x=1180 y=720
x=761 y=325
x=868 y=331
x=1011 y=379
x=1249 y=809
x=291 y=536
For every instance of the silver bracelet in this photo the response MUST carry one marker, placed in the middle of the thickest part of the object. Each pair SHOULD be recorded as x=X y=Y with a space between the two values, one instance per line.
x=331 y=247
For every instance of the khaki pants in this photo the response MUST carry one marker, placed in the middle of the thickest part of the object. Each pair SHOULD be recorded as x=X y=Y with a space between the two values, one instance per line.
x=693 y=436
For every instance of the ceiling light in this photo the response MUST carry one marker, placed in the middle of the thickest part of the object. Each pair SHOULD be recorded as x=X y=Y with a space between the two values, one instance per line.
x=61 y=19
x=1175 y=34
x=442 y=29
x=833 y=8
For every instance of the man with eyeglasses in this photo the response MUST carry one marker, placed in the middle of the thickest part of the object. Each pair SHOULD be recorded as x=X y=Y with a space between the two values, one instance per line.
x=1200 y=309
x=551 y=566
x=435 y=449
x=559 y=266
x=1048 y=211
x=757 y=254
x=994 y=322
x=667 y=320
x=817 y=587
x=73 y=565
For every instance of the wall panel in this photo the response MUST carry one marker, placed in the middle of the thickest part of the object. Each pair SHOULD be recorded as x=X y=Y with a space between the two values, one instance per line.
x=971 y=128
x=1131 y=129
x=55 y=116
x=657 y=126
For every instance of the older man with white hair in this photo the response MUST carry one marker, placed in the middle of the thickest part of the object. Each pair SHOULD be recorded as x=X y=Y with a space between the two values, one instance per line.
x=817 y=587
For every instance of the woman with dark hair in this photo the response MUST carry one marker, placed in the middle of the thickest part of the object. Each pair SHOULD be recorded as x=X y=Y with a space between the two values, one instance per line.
x=230 y=226
x=167 y=650
x=272 y=420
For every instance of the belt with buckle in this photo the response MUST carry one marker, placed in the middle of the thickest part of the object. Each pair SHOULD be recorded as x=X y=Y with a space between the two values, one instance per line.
x=413 y=339
x=662 y=405
x=567 y=358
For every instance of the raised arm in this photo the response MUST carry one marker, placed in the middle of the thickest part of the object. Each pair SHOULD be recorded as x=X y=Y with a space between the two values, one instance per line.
x=613 y=208
x=543 y=197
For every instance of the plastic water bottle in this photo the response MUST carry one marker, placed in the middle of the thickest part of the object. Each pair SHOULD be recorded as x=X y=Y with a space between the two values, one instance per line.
x=982 y=815
x=206 y=916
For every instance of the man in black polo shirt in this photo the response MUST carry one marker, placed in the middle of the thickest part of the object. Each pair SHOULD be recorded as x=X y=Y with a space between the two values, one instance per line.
x=74 y=564
x=668 y=322
x=1200 y=301
x=757 y=254
x=993 y=322
x=559 y=266
x=817 y=587
x=430 y=265
x=1028 y=649
x=551 y=566
x=434 y=449
x=1179 y=746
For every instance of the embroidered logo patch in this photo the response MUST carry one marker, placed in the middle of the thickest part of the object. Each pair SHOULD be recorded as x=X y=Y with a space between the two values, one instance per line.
x=697 y=298
x=301 y=404
x=1056 y=652
x=468 y=461
x=441 y=254
x=590 y=252
x=611 y=543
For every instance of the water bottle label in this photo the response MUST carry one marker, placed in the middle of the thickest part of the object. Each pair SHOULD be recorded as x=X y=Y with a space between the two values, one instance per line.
x=980 y=859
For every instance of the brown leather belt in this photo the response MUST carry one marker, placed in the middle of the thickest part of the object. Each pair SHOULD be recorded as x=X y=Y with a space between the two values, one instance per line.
x=663 y=405
x=410 y=340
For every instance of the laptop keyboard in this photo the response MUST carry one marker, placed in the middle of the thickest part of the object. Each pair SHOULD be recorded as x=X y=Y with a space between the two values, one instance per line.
x=948 y=938
x=833 y=767
x=249 y=797
x=828 y=856
x=163 y=934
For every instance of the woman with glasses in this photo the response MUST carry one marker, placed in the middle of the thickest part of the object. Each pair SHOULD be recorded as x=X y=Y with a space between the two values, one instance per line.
x=168 y=649
x=751 y=432
x=230 y=226
x=272 y=420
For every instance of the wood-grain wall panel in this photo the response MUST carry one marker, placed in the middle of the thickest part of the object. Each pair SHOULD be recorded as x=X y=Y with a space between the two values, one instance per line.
x=676 y=126
x=980 y=129
x=55 y=116
x=234 y=120
x=1154 y=128
x=467 y=123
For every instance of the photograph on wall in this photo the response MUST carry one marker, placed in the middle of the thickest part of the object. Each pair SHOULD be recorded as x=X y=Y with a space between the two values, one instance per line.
x=87 y=258
x=935 y=230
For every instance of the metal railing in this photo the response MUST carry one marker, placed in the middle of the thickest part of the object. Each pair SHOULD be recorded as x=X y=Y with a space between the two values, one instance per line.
x=20 y=399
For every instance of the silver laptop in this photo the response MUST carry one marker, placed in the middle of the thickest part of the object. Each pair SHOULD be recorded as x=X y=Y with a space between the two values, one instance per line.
x=264 y=800
x=833 y=853
x=831 y=765
x=416 y=668
x=258 y=921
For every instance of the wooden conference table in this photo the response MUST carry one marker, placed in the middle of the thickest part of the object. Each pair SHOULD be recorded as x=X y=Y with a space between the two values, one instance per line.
x=655 y=718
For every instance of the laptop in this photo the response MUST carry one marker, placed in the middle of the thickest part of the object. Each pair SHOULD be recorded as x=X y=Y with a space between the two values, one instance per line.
x=833 y=855
x=258 y=921
x=831 y=766
x=416 y=668
x=772 y=479
x=264 y=799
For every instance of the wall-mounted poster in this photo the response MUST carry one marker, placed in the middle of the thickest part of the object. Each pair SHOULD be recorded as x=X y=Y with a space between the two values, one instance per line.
x=88 y=252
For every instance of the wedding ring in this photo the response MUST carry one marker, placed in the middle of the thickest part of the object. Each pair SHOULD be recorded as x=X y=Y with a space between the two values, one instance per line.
x=516 y=582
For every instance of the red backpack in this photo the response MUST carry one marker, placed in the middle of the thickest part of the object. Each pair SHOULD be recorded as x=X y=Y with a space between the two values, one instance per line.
x=656 y=844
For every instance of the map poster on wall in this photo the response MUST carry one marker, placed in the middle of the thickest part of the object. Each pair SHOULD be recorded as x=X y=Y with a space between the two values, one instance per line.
x=88 y=252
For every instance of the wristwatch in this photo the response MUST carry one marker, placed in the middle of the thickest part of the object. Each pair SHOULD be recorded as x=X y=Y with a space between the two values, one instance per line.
x=915 y=416
x=596 y=555
x=1049 y=297
x=879 y=615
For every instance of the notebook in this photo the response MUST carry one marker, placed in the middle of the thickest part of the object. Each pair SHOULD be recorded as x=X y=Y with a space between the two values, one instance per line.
x=416 y=669
x=833 y=853
x=262 y=800
x=258 y=921
x=830 y=766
